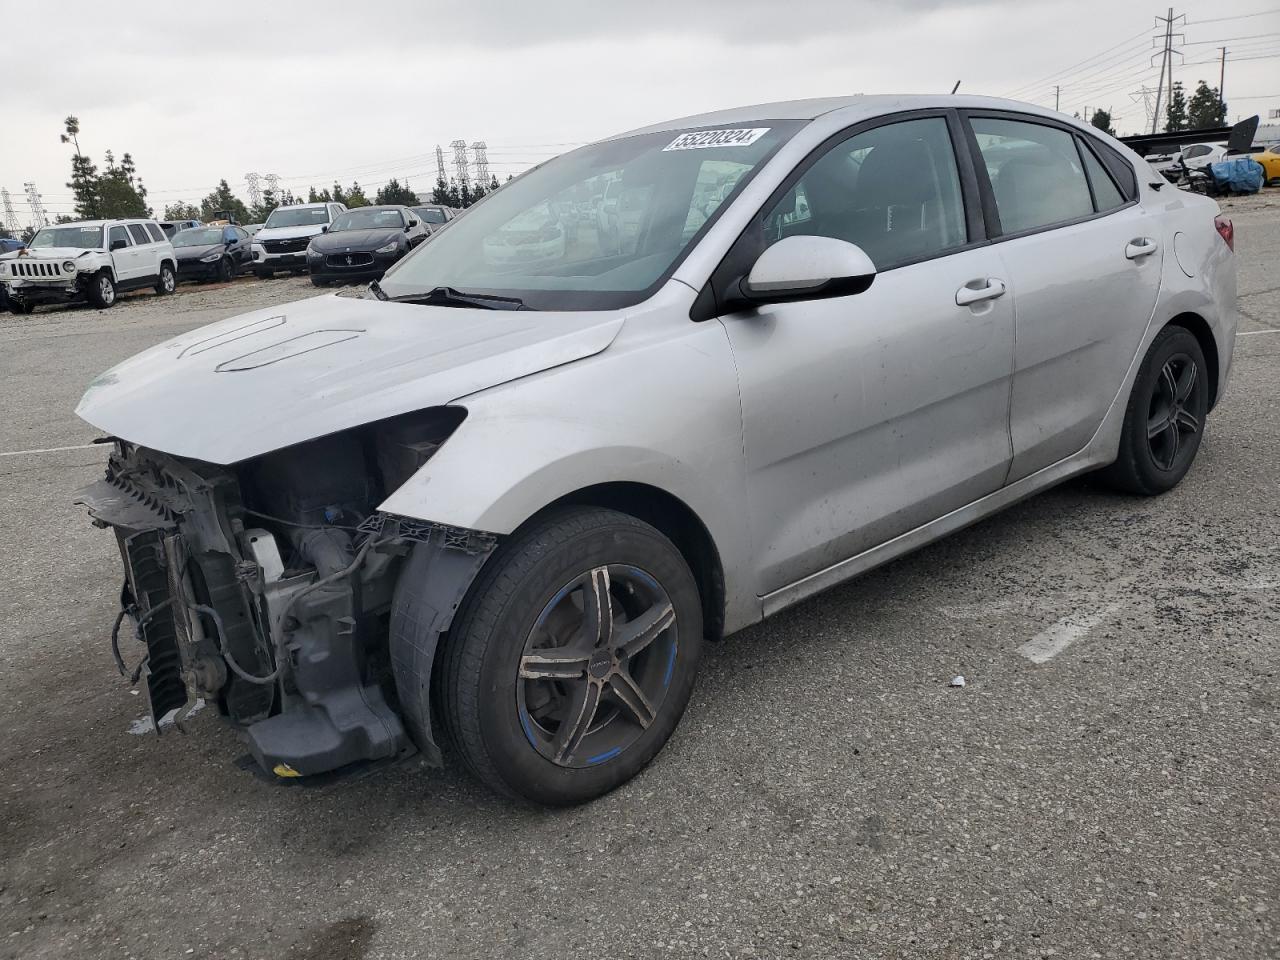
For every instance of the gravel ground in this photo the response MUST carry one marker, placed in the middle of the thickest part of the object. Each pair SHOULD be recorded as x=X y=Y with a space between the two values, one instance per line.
x=827 y=795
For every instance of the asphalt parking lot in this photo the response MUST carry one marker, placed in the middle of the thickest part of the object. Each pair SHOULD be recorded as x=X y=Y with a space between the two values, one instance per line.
x=828 y=794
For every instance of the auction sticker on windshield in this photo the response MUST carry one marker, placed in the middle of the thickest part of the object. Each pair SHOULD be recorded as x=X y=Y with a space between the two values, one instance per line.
x=702 y=139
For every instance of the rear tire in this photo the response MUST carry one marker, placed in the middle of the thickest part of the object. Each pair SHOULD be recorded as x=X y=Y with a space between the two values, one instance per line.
x=102 y=291
x=167 y=282
x=317 y=282
x=1165 y=416
x=529 y=736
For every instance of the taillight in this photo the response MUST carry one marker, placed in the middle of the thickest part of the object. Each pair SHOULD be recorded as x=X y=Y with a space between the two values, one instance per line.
x=1226 y=231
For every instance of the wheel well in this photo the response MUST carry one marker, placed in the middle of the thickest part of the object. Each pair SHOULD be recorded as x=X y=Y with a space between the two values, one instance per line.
x=1196 y=324
x=172 y=265
x=680 y=525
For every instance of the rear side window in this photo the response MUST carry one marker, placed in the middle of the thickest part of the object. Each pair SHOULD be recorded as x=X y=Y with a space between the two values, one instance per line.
x=1035 y=171
x=118 y=234
x=139 y=235
x=1106 y=195
x=156 y=233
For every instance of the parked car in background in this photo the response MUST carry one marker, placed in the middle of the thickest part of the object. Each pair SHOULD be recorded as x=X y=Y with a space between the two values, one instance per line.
x=91 y=260
x=1199 y=156
x=362 y=243
x=1269 y=159
x=252 y=228
x=508 y=501
x=170 y=227
x=433 y=215
x=282 y=242
x=11 y=244
x=212 y=253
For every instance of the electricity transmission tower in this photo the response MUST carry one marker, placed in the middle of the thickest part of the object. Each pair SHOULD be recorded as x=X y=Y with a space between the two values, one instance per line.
x=479 y=150
x=39 y=216
x=273 y=184
x=460 y=163
x=1165 y=87
x=440 y=173
x=1147 y=97
x=255 y=189
x=10 y=218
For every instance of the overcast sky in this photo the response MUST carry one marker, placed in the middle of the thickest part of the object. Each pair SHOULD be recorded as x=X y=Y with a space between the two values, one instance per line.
x=317 y=90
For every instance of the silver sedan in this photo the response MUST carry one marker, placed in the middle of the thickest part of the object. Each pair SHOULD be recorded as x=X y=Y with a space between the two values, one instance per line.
x=507 y=498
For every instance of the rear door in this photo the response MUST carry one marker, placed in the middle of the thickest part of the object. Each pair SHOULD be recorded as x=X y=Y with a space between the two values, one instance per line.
x=146 y=250
x=1083 y=257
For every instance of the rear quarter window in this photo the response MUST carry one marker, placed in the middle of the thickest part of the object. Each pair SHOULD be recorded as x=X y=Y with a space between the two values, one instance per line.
x=156 y=233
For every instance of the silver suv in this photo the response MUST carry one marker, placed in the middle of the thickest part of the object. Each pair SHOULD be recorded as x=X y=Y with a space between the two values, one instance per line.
x=92 y=260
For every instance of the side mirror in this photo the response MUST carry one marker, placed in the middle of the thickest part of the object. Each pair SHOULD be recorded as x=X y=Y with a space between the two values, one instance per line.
x=325 y=228
x=807 y=268
x=119 y=244
x=408 y=228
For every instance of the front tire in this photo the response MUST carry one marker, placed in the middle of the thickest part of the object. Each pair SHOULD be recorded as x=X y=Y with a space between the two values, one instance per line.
x=572 y=657
x=226 y=270
x=102 y=291
x=167 y=282
x=1165 y=417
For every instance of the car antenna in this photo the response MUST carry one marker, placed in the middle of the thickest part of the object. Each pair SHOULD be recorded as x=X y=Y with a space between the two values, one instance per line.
x=955 y=88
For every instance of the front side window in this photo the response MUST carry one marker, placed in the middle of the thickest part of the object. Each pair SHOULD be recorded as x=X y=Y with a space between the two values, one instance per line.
x=595 y=228
x=893 y=190
x=138 y=233
x=119 y=235
x=1035 y=173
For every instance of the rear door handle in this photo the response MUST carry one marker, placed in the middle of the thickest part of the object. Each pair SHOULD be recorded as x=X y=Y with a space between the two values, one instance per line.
x=975 y=291
x=1140 y=247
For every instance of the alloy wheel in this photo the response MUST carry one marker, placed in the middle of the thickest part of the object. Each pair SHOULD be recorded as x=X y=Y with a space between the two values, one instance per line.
x=596 y=666
x=1169 y=418
x=107 y=290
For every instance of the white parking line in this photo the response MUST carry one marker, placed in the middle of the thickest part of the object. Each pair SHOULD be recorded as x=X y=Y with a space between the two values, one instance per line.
x=1050 y=642
x=24 y=453
x=1255 y=333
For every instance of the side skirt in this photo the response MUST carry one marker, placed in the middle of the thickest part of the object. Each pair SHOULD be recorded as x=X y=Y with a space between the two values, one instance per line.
x=1081 y=462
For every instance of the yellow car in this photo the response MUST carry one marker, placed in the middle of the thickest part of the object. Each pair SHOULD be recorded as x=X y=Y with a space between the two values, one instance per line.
x=1270 y=160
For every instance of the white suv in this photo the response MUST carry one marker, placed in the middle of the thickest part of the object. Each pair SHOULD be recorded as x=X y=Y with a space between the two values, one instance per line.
x=282 y=242
x=92 y=260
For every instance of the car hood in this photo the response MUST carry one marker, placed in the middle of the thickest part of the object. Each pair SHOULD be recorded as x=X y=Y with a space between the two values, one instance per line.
x=195 y=253
x=269 y=379
x=49 y=253
x=290 y=233
x=346 y=240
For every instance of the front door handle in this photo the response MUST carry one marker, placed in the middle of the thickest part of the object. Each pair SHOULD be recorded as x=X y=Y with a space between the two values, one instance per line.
x=1140 y=247
x=975 y=291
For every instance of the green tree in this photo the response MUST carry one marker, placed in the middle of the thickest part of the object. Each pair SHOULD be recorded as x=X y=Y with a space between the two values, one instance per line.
x=440 y=192
x=181 y=211
x=453 y=197
x=119 y=191
x=1102 y=120
x=262 y=210
x=221 y=202
x=395 y=192
x=493 y=183
x=84 y=173
x=1175 y=114
x=355 y=197
x=1206 y=108
x=338 y=195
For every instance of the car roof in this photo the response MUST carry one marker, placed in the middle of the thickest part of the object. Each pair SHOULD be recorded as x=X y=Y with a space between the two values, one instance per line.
x=857 y=107
x=101 y=223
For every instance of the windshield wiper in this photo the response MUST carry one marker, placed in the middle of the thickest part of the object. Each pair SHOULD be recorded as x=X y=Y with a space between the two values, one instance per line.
x=450 y=297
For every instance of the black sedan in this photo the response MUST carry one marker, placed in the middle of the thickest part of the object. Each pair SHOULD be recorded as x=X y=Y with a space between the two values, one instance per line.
x=362 y=243
x=212 y=253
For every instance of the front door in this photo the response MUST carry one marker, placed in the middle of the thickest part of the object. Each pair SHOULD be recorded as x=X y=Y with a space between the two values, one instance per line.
x=1084 y=260
x=866 y=416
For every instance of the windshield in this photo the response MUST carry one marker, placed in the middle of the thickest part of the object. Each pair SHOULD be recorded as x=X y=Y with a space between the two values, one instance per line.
x=430 y=214
x=197 y=237
x=369 y=218
x=297 y=217
x=596 y=228
x=81 y=238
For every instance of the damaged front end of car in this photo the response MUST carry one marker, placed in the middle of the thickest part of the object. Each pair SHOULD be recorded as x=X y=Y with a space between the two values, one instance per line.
x=269 y=588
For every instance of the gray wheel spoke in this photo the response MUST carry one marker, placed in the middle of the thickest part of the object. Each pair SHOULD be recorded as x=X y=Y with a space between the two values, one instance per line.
x=635 y=635
x=554 y=664
x=1184 y=383
x=629 y=694
x=1175 y=440
x=1187 y=422
x=597 y=608
x=1168 y=383
x=582 y=710
x=1157 y=426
